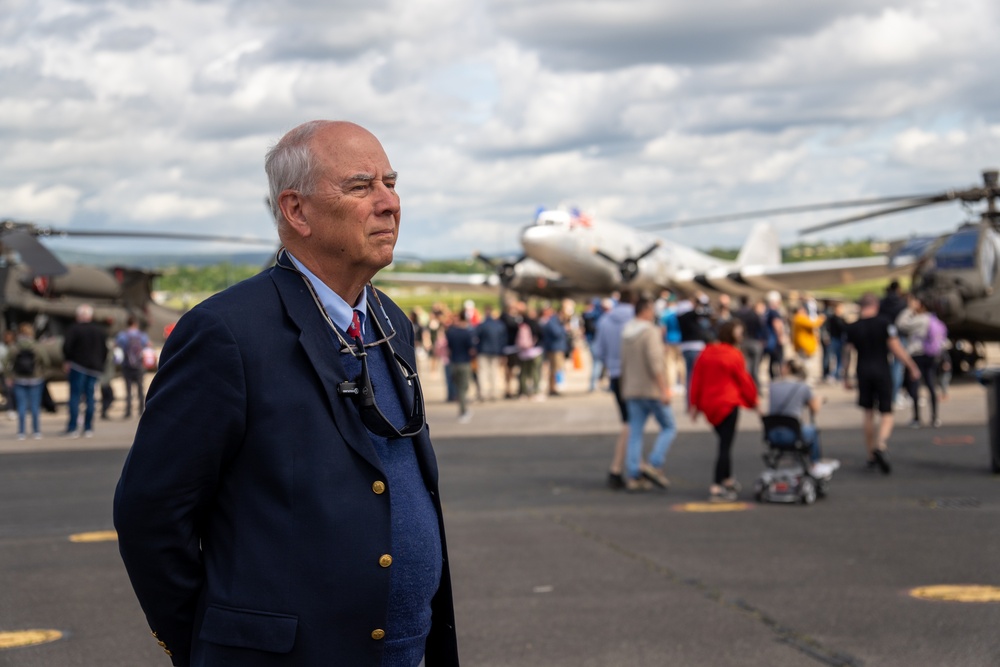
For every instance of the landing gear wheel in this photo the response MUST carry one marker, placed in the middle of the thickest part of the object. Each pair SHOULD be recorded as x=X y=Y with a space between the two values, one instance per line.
x=807 y=491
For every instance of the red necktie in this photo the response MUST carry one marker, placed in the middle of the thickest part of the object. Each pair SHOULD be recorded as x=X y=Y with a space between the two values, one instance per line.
x=354 y=331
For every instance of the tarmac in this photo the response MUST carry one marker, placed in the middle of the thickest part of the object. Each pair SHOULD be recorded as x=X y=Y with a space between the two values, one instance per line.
x=552 y=568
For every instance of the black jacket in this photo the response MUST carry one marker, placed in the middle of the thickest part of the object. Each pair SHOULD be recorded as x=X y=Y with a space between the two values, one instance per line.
x=86 y=346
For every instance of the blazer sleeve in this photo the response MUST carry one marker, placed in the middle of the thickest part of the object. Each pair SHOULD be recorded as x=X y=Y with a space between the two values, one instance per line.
x=193 y=423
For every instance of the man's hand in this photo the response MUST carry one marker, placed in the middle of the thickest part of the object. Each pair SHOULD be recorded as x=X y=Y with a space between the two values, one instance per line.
x=666 y=395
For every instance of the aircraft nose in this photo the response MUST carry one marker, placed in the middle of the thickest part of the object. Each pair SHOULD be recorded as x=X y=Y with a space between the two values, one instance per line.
x=536 y=237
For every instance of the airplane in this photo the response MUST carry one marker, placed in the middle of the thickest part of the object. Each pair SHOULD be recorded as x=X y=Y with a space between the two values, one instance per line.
x=569 y=254
x=522 y=275
x=599 y=257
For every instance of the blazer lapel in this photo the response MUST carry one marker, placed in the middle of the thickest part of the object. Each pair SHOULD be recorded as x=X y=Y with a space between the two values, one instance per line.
x=315 y=338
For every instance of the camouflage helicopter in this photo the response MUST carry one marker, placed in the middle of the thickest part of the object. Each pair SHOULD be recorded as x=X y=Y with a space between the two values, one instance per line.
x=37 y=287
x=956 y=274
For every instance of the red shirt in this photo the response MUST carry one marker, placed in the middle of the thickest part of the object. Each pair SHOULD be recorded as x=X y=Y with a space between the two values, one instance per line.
x=720 y=382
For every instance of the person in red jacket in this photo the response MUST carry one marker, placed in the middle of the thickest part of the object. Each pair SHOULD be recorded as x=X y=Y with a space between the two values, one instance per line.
x=720 y=386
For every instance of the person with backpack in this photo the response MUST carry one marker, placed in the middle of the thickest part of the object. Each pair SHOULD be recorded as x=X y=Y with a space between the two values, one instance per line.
x=133 y=342
x=926 y=336
x=25 y=369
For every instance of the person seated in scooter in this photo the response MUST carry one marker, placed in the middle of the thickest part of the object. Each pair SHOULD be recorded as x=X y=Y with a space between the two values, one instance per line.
x=791 y=396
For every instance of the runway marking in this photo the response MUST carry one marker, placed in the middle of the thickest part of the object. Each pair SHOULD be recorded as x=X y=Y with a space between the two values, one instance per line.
x=711 y=507
x=97 y=536
x=951 y=503
x=957 y=593
x=800 y=641
x=19 y=638
x=953 y=440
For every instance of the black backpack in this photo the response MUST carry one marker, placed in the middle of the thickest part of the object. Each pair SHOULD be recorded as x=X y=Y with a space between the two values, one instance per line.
x=24 y=362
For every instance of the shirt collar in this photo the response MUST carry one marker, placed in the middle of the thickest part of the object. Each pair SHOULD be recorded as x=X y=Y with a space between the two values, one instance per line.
x=338 y=309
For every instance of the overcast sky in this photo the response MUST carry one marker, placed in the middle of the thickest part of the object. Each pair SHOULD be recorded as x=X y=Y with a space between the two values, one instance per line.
x=155 y=115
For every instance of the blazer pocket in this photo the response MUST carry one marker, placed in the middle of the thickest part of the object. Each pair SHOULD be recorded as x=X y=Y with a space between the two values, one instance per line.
x=244 y=628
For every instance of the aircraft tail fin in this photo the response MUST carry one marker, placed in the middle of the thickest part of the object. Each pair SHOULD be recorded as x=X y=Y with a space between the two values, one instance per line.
x=761 y=247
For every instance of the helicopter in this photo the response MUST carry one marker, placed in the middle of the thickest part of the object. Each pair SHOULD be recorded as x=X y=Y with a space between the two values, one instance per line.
x=956 y=274
x=37 y=287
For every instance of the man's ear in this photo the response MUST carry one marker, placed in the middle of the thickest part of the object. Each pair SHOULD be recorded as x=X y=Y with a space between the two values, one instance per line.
x=292 y=207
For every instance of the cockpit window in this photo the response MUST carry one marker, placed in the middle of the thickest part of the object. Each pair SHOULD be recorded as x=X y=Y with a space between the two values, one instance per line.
x=958 y=251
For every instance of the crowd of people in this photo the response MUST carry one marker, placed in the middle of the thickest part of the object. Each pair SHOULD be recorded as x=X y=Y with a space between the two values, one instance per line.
x=87 y=357
x=520 y=352
x=716 y=354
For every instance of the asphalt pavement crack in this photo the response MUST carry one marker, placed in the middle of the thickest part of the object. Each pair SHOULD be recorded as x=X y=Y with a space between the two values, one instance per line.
x=796 y=639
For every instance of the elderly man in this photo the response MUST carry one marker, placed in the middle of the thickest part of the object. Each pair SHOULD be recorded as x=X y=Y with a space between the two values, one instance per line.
x=85 y=348
x=280 y=502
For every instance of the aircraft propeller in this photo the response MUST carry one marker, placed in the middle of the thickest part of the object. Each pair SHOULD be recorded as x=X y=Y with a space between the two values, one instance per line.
x=628 y=267
x=503 y=269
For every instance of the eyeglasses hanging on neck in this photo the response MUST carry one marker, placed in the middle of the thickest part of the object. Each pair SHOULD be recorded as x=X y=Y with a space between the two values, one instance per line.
x=361 y=389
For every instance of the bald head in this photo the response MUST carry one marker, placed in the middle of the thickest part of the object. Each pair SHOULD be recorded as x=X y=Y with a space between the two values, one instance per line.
x=333 y=193
x=293 y=163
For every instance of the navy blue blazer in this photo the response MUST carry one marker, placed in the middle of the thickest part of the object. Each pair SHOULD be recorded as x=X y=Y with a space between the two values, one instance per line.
x=252 y=510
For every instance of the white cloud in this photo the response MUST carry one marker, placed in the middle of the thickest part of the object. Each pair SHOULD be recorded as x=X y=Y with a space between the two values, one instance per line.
x=167 y=205
x=158 y=114
x=30 y=203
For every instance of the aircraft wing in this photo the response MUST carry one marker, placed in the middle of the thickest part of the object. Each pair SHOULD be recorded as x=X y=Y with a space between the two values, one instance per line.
x=472 y=281
x=791 y=276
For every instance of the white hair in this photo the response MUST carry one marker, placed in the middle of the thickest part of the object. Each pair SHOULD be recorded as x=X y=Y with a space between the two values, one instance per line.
x=290 y=164
x=774 y=297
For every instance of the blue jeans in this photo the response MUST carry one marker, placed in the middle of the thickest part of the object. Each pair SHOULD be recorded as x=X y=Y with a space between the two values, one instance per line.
x=836 y=348
x=596 y=369
x=786 y=437
x=28 y=397
x=639 y=410
x=81 y=384
x=833 y=353
x=897 y=371
x=690 y=357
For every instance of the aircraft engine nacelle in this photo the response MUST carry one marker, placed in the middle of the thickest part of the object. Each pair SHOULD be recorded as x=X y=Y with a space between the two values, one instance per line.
x=87 y=282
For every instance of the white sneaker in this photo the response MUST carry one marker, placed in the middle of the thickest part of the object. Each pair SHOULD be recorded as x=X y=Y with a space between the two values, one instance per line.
x=465 y=419
x=824 y=468
x=20 y=436
x=88 y=434
x=37 y=436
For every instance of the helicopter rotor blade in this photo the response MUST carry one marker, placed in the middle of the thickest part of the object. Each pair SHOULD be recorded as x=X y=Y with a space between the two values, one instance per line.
x=784 y=210
x=174 y=236
x=39 y=259
x=919 y=203
x=648 y=251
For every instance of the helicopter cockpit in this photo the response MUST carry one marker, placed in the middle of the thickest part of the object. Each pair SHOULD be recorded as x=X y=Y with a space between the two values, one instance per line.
x=961 y=266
